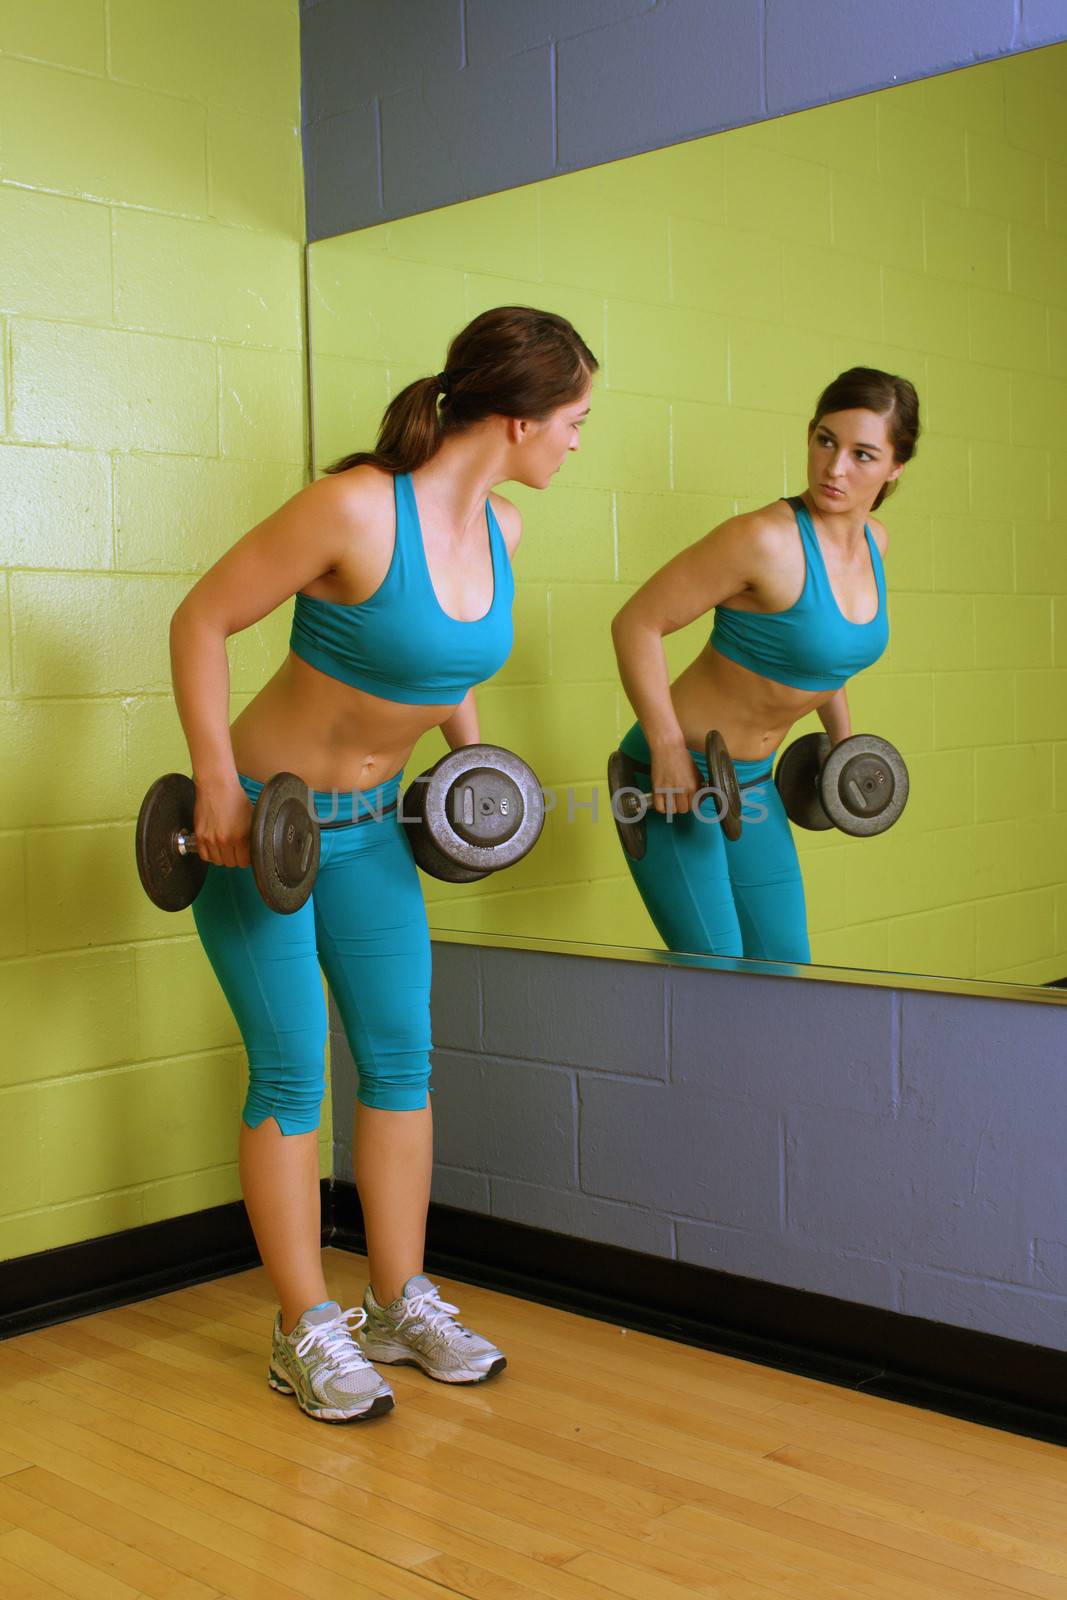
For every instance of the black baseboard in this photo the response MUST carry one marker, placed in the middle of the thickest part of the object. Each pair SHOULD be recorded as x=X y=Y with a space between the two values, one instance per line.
x=77 y=1279
x=1000 y=1382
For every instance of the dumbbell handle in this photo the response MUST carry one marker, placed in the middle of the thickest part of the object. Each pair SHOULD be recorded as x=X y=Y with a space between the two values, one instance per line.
x=185 y=844
x=632 y=795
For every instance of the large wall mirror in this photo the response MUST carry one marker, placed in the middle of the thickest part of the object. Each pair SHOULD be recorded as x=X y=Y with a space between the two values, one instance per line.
x=722 y=283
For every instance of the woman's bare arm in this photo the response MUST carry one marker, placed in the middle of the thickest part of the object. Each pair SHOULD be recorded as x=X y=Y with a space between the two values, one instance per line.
x=835 y=716
x=290 y=549
x=717 y=568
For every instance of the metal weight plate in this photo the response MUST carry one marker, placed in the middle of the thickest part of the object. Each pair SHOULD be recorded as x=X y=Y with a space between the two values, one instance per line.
x=796 y=778
x=482 y=807
x=723 y=779
x=169 y=879
x=628 y=805
x=864 y=785
x=427 y=856
x=284 y=845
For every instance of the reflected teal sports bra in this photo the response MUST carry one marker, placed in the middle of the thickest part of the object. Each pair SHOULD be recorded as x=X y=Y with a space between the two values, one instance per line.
x=812 y=645
x=400 y=644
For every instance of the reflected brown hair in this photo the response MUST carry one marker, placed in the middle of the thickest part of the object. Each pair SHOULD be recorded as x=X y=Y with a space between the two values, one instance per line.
x=512 y=361
x=895 y=399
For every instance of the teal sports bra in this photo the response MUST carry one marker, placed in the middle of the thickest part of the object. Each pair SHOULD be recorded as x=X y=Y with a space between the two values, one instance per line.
x=400 y=644
x=812 y=645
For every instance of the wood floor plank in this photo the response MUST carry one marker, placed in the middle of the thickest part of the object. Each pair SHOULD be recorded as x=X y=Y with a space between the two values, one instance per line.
x=186 y=1555
x=130 y=1372
x=387 y=1503
x=413 y=1508
x=845 y=1406
x=875 y=1436
x=332 y=1524
x=395 y=1463
x=291 y=1560
x=408 y=1441
x=789 y=1569
x=96 y=1547
x=66 y=1574
x=528 y=1516
x=827 y=1477
x=18 y=1584
x=142 y=1448
x=883 y=1569
x=977 y=1556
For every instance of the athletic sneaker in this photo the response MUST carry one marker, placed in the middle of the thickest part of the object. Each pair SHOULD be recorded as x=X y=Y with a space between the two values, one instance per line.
x=320 y=1363
x=420 y=1330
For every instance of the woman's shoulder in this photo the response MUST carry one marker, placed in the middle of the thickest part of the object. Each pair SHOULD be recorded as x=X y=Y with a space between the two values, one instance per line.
x=880 y=534
x=762 y=531
x=509 y=518
x=357 y=490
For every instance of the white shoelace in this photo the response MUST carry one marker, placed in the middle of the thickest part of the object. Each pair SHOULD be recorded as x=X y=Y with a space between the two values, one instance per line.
x=334 y=1338
x=428 y=1307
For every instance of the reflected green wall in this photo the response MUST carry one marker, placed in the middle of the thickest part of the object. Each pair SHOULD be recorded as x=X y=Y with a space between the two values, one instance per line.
x=722 y=282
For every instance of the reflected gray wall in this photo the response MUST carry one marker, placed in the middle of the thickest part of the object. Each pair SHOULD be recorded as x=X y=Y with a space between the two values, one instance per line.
x=413 y=104
x=900 y=1150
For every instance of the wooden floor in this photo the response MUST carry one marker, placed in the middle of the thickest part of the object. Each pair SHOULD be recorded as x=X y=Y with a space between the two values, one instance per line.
x=142 y=1454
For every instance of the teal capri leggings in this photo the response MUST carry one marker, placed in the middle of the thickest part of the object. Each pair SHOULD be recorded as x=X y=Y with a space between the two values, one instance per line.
x=711 y=896
x=366 y=924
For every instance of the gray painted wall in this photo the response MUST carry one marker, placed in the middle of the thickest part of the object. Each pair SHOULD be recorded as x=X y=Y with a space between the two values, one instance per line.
x=898 y=1149
x=413 y=104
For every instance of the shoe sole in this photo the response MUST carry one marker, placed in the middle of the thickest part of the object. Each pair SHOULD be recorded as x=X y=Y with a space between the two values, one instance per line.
x=379 y=1406
x=407 y=1360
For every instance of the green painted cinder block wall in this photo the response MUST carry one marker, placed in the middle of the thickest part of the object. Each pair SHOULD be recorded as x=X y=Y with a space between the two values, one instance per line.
x=152 y=408
x=722 y=283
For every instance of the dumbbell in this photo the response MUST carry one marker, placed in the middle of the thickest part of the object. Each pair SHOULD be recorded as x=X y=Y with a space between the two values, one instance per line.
x=283 y=844
x=859 y=786
x=630 y=801
x=477 y=810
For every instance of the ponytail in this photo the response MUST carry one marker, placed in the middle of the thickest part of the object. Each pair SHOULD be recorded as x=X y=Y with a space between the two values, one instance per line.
x=409 y=435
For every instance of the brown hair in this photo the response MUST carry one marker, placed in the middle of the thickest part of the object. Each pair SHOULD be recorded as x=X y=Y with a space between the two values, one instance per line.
x=868 y=389
x=510 y=362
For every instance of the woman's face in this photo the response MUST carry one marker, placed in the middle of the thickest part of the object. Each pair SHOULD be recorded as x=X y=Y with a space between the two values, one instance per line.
x=850 y=458
x=544 y=445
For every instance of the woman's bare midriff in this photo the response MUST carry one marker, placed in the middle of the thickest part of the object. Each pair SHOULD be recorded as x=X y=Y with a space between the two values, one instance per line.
x=332 y=735
x=754 y=714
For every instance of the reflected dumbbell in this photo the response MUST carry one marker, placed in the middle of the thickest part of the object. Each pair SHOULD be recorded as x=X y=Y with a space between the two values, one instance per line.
x=630 y=800
x=283 y=844
x=859 y=786
x=477 y=810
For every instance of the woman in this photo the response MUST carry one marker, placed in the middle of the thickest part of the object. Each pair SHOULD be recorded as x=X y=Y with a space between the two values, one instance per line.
x=400 y=564
x=798 y=590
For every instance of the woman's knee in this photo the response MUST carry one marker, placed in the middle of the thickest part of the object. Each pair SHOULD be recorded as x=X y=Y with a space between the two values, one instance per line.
x=290 y=1088
x=395 y=1083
